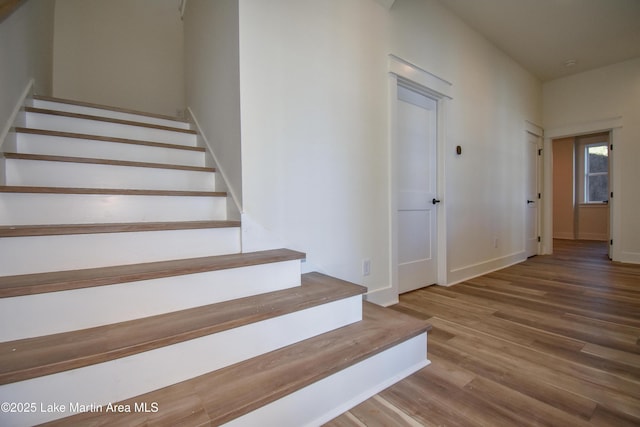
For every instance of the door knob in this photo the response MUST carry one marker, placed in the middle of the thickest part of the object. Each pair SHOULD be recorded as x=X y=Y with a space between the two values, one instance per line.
x=530 y=201
x=434 y=201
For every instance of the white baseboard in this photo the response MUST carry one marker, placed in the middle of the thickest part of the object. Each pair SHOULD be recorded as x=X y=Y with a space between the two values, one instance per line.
x=593 y=236
x=629 y=257
x=563 y=235
x=388 y=296
x=384 y=297
x=468 y=272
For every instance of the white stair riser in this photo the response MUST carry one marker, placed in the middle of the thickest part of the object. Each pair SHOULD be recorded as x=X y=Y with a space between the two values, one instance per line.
x=86 y=175
x=120 y=115
x=54 y=312
x=38 y=208
x=115 y=130
x=38 y=254
x=76 y=147
x=324 y=400
x=134 y=375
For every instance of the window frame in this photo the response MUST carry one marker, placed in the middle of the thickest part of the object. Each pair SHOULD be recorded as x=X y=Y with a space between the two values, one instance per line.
x=587 y=174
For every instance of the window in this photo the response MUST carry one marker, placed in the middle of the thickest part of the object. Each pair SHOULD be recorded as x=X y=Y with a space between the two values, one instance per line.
x=596 y=173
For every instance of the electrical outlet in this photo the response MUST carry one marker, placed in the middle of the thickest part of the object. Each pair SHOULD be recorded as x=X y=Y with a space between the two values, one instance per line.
x=495 y=242
x=366 y=267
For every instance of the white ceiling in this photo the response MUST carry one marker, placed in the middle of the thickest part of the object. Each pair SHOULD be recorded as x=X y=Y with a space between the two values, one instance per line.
x=542 y=35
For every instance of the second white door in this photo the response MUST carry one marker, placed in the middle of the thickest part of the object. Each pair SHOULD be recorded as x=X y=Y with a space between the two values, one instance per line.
x=531 y=184
x=416 y=190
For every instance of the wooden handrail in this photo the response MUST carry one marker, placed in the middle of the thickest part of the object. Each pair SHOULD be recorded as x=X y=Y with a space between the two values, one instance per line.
x=7 y=7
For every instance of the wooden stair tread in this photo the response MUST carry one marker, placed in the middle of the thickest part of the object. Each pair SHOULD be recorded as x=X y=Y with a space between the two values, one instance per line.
x=89 y=160
x=107 y=191
x=225 y=394
x=107 y=107
x=107 y=120
x=65 y=229
x=106 y=139
x=29 y=284
x=34 y=357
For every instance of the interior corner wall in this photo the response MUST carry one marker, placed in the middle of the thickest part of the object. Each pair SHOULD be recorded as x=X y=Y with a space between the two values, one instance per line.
x=124 y=53
x=26 y=51
x=603 y=94
x=314 y=86
x=493 y=98
x=211 y=39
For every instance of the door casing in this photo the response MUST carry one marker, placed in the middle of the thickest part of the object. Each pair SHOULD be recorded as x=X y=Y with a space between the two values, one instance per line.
x=416 y=188
x=440 y=89
x=532 y=196
x=612 y=125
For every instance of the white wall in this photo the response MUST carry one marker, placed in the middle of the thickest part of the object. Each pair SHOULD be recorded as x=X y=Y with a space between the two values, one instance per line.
x=125 y=53
x=313 y=79
x=25 y=53
x=213 y=81
x=493 y=97
x=584 y=100
x=315 y=130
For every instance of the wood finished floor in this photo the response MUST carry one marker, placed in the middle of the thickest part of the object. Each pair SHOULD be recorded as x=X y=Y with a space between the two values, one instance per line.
x=553 y=341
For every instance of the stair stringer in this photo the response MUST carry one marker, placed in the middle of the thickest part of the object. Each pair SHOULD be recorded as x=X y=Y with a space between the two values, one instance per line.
x=17 y=118
x=234 y=209
x=254 y=236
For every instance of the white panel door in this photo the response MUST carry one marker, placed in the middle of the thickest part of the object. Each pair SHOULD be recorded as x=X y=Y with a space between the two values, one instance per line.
x=416 y=190
x=531 y=188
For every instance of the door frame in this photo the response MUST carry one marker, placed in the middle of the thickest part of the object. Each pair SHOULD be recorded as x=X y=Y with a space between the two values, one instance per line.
x=418 y=270
x=538 y=132
x=411 y=76
x=611 y=125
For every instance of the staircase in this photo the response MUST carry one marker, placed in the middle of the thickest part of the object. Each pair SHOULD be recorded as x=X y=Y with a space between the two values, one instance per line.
x=126 y=299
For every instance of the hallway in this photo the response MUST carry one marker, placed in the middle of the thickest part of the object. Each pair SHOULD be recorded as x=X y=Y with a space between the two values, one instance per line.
x=553 y=341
